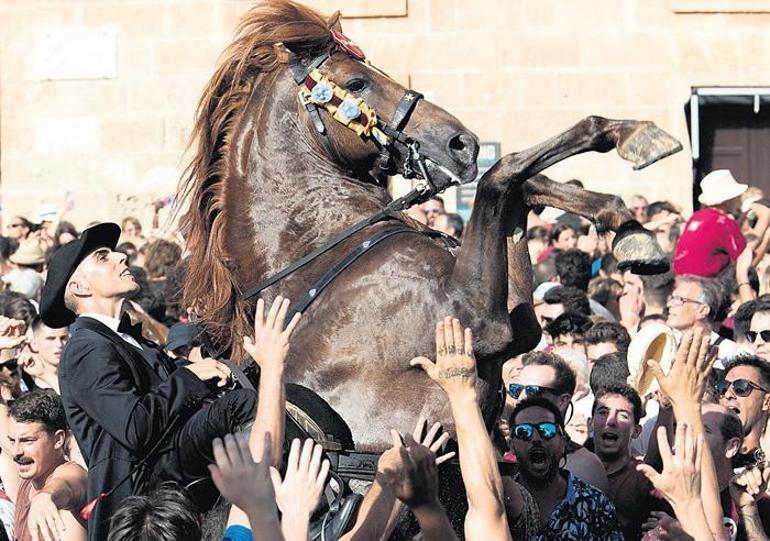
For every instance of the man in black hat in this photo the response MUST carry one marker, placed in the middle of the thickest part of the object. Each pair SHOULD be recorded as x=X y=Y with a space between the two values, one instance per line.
x=125 y=400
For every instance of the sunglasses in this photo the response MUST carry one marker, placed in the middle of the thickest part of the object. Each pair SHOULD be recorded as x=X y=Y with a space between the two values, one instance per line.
x=514 y=389
x=752 y=335
x=525 y=431
x=10 y=364
x=741 y=387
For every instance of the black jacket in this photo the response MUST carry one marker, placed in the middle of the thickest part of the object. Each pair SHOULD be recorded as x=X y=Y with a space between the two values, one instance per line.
x=118 y=401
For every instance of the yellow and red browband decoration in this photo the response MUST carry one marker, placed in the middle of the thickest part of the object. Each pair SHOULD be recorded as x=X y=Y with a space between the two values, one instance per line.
x=344 y=107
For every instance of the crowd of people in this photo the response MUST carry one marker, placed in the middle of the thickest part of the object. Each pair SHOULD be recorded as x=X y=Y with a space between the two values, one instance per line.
x=641 y=414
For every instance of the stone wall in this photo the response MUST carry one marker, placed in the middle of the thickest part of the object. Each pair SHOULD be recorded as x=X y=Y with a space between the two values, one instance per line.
x=97 y=96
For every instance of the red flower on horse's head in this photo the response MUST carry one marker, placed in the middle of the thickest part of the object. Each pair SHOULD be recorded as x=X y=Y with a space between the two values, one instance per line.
x=347 y=45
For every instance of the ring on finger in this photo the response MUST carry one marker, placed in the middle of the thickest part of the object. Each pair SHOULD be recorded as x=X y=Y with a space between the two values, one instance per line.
x=441 y=351
x=450 y=349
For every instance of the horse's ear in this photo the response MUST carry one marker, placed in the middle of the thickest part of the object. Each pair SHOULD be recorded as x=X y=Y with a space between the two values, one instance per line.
x=335 y=23
x=281 y=53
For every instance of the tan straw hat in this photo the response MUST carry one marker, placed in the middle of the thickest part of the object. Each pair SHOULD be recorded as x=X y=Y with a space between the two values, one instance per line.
x=653 y=341
x=719 y=186
x=29 y=253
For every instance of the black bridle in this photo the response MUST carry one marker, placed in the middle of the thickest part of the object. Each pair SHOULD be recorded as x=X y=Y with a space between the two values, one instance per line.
x=318 y=92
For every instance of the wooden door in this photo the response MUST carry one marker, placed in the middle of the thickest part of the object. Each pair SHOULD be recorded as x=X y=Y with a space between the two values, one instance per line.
x=734 y=137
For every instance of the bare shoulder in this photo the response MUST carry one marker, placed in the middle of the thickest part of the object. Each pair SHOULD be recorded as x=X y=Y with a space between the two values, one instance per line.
x=587 y=466
x=70 y=470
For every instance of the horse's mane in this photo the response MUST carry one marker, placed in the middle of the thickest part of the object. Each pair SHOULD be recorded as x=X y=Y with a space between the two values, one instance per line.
x=209 y=286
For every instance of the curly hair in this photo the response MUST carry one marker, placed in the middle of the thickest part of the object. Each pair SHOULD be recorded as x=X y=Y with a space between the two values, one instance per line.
x=42 y=406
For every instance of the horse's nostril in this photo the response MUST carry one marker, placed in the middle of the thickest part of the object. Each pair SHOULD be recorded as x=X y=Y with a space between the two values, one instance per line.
x=457 y=143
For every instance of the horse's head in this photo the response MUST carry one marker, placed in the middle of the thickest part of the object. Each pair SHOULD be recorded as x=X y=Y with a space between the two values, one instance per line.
x=370 y=124
x=291 y=109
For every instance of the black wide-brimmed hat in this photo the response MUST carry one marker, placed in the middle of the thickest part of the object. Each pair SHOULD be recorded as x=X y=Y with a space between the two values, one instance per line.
x=62 y=265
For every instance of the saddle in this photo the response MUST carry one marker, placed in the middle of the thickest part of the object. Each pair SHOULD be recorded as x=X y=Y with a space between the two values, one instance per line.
x=337 y=514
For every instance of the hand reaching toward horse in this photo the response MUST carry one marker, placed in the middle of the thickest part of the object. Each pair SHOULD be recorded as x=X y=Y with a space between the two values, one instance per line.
x=455 y=366
x=270 y=345
x=246 y=482
x=685 y=383
x=680 y=480
x=300 y=489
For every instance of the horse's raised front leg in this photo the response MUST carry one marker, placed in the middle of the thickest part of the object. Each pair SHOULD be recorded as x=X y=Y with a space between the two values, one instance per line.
x=482 y=275
x=634 y=247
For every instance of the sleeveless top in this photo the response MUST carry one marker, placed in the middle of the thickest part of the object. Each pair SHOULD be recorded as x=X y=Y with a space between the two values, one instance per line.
x=20 y=530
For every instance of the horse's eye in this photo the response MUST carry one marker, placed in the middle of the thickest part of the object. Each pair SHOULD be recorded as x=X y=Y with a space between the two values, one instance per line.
x=356 y=85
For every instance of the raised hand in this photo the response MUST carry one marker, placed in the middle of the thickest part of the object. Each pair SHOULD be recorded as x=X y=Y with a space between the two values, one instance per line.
x=298 y=492
x=12 y=332
x=455 y=366
x=241 y=479
x=270 y=345
x=411 y=474
x=685 y=383
x=680 y=479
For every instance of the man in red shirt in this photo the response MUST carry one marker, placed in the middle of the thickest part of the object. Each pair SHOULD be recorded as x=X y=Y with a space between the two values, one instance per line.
x=712 y=237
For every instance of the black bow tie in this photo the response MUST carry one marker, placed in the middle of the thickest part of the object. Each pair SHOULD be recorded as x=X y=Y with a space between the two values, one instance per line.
x=126 y=327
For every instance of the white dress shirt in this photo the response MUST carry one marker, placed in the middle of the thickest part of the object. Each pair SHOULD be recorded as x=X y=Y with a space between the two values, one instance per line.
x=112 y=324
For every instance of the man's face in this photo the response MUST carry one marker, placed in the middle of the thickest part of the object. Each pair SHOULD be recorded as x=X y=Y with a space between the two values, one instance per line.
x=760 y=321
x=433 y=209
x=545 y=378
x=16 y=229
x=569 y=342
x=441 y=223
x=130 y=229
x=614 y=426
x=548 y=312
x=751 y=409
x=713 y=417
x=632 y=283
x=594 y=351
x=567 y=240
x=639 y=207
x=35 y=450
x=49 y=343
x=685 y=307
x=104 y=275
x=539 y=457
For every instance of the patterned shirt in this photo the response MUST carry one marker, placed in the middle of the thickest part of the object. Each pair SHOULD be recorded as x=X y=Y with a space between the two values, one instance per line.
x=585 y=514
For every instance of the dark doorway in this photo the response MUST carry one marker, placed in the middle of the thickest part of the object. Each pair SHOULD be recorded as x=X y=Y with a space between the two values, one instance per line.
x=733 y=133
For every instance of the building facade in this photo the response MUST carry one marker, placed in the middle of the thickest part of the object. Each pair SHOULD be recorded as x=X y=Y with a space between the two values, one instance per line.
x=97 y=96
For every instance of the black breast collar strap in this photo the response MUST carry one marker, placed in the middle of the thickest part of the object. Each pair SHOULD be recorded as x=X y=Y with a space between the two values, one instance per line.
x=415 y=196
x=321 y=284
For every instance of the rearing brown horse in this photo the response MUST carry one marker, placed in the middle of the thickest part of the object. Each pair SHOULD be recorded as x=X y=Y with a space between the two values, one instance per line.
x=264 y=190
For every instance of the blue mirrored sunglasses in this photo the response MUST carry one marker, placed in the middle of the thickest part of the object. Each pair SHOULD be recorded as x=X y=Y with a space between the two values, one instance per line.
x=525 y=431
x=514 y=389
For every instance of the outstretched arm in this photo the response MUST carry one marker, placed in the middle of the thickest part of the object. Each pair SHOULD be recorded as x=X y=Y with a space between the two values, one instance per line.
x=680 y=479
x=381 y=508
x=269 y=349
x=684 y=385
x=455 y=372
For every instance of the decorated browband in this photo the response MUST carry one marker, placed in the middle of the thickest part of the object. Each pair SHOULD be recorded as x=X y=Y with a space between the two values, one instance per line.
x=344 y=107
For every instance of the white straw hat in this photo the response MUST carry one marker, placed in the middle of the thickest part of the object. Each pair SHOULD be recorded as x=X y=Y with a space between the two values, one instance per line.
x=719 y=186
x=653 y=341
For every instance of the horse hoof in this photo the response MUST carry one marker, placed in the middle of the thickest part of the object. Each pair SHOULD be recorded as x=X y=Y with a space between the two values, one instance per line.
x=637 y=251
x=646 y=144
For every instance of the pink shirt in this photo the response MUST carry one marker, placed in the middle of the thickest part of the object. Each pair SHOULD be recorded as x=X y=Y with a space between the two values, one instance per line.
x=709 y=241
